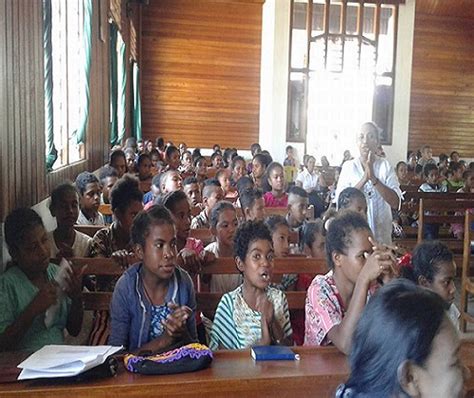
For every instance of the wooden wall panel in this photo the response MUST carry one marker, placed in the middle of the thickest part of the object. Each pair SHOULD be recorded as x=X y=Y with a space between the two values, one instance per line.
x=23 y=177
x=442 y=96
x=201 y=71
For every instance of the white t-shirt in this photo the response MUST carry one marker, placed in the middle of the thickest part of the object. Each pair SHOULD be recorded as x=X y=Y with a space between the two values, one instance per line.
x=226 y=282
x=83 y=220
x=379 y=212
x=309 y=181
x=80 y=247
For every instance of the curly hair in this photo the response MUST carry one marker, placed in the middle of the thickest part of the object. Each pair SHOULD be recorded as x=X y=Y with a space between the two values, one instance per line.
x=248 y=232
x=347 y=196
x=125 y=191
x=217 y=210
x=17 y=224
x=339 y=233
x=83 y=179
x=171 y=200
x=156 y=215
x=58 y=192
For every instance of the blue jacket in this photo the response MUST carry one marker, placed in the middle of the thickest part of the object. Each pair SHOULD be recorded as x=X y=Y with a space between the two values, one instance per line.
x=130 y=310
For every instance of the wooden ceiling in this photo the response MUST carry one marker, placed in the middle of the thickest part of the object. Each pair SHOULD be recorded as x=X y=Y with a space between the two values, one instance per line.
x=448 y=8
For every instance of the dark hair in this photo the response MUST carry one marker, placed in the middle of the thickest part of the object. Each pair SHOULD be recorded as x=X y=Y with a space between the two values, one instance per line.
x=274 y=221
x=118 y=153
x=219 y=173
x=428 y=167
x=142 y=157
x=265 y=184
x=467 y=173
x=244 y=183
x=17 y=224
x=263 y=159
x=190 y=180
x=124 y=192
x=186 y=152
x=338 y=236
x=170 y=150
x=106 y=172
x=156 y=215
x=236 y=159
x=455 y=166
x=347 y=195
x=214 y=155
x=130 y=142
x=418 y=169
x=160 y=143
x=400 y=164
x=308 y=231
x=443 y=157
x=171 y=199
x=398 y=324
x=453 y=153
x=248 y=232
x=83 y=179
x=209 y=185
x=248 y=197
x=198 y=159
x=426 y=258
x=58 y=192
x=154 y=151
x=288 y=148
x=307 y=159
x=298 y=191
x=255 y=147
x=196 y=153
x=217 y=210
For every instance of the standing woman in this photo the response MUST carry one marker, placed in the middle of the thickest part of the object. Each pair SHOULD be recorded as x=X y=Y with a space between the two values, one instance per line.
x=375 y=177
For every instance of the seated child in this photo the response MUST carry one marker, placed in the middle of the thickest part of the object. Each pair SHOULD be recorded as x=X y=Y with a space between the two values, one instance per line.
x=254 y=313
x=432 y=267
x=405 y=346
x=144 y=168
x=223 y=224
x=402 y=173
x=153 y=305
x=154 y=192
x=468 y=178
x=172 y=158
x=243 y=183
x=200 y=169
x=130 y=157
x=259 y=165
x=252 y=204
x=431 y=173
x=118 y=162
x=237 y=169
x=89 y=190
x=28 y=289
x=336 y=300
x=170 y=181
x=186 y=168
x=114 y=241
x=290 y=159
x=297 y=207
x=155 y=158
x=352 y=199
x=455 y=182
x=108 y=176
x=217 y=161
x=223 y=176
x=211 y=194
x=426 y=156
x=65 y=240
x=276 y=195
x=192 y=190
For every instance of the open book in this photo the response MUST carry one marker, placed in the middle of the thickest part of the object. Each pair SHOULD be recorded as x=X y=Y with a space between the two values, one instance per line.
x=64 y=360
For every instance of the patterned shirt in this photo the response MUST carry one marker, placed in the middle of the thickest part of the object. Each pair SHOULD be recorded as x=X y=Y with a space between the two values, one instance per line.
x=272 y=201
x=237 y=326
x=200 y=221
x=324 y=309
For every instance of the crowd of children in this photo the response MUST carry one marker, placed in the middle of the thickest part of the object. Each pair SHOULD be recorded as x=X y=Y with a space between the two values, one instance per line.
x=159 y=194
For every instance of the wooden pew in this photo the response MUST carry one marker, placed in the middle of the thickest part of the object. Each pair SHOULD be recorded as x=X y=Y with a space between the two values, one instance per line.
x=105 y=209
x=467 y=280
x=205 y=235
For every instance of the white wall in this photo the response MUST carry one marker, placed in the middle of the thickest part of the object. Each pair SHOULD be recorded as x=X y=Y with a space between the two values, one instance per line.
x=274 y=80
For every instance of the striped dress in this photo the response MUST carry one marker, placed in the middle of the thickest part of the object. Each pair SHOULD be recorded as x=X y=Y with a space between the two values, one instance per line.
x=237 y=326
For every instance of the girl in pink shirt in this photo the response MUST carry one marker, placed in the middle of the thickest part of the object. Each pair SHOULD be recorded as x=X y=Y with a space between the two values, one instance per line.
x=276 y=197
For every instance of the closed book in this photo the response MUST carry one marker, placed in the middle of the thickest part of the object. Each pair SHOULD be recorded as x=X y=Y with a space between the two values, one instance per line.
x=273 y=353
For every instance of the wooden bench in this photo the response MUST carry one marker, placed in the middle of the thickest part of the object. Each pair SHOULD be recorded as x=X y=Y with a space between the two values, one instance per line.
x=205 y=235
x=467 y=280
x=105 y=209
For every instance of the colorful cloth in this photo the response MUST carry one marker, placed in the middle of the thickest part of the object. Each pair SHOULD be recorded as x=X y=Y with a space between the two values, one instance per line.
x=272 y=201
x=237 y=326
x=159 y=313
x=324 y=309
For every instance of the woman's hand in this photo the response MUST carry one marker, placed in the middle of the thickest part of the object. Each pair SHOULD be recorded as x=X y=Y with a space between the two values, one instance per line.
x=381 y=262
x=189 y=260
x=265 y=307
x=74 y=283
x=175 y=323
x=46 y=297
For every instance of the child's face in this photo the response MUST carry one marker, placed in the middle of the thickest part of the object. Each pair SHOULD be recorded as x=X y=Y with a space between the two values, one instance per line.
x=226 y=226
x=140 y=146
x=120 y=165
x=353 y=259
x=258 y=169
x=457 y=175
x=432 y=177
x=224 y=180
x=173 y=160
x=318 y=248
x=443 y=281
x=154 y=160
x=257 y=211
x=358 y=205
x=183 y=147
x=469 y=183
x=193 y=192
x=144 y=171
x=289 y=153
x=402 y=172
x=149 y=146
x=238 y=171
x=109 y=183
x=257 y=266
x=201 y=168
x=130 y=160
x=187 y=160
x=90 y=200
x=173 y=183
x=126 y=217
x=159 y=252
x=182 y=219
x=310 y=164
x=216 y=196
x=297 y=208
x=217 y=162
x=427 y=153
x=67 y=210
x=281 y=241
x=33 y=252
x=276 y=179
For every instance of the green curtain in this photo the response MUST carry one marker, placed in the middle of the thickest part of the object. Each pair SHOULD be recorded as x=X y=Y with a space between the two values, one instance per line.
x=51 y=152
x=121 y=87
x=81 y=131
x=113 y=85
x=137 y=106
